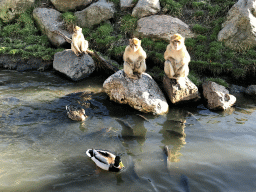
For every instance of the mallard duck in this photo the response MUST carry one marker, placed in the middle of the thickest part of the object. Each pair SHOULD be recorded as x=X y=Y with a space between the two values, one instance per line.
x=75 y=114
x=105 y=160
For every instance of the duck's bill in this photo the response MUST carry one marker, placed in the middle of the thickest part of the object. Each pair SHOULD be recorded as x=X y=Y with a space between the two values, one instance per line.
x=121 y=165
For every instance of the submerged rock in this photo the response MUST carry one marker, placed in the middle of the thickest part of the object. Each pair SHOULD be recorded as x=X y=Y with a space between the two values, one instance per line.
x=162 y=27
x=76 y=68
x=95 y=13
x=177 y=93
x=217 y=96
x=142 y=94
x=48 y=21
x=70 y=5
x=146 y=8
x=239 y=29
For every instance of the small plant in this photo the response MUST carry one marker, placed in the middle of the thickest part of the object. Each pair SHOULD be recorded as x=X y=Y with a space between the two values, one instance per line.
x=198 y=13
x=190 y=43
x=173 y=7
x=201 y=38
x=128 y=24
x=147 y=43
x=218 y=81
x=199 y=29
x=194 y=78
x=198 y=5
x=70 y=19
x=238 y=73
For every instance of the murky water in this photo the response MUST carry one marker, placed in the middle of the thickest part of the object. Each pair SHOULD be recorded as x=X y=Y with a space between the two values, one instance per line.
x=43 y=150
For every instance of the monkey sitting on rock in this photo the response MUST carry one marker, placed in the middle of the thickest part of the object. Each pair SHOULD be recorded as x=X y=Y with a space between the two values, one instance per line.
x=176 y=60
x=134 y=59
x=78 y=44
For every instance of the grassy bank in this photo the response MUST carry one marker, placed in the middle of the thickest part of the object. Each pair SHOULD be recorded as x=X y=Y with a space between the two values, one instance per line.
x=209 y=58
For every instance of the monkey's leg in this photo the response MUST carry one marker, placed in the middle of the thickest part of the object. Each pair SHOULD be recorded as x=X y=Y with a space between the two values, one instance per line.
x=84 y=46
x=129 y=71
x=183 y=71
x=140 y=67
x=168 y=69
x=74 y=49
x=181 y=75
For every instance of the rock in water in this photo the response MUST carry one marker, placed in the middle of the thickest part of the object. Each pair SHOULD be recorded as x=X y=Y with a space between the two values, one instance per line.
x=177 y=94
x=76 y=68
x=217 y=96
x=142 y=94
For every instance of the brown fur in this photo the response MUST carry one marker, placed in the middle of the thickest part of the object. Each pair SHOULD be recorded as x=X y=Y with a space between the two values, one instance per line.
x=176 y=59
x=134 y=59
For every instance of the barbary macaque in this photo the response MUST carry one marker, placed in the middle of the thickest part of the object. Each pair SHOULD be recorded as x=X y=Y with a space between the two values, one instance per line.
x=134 y=59
x=79 y=45
x=176 y=59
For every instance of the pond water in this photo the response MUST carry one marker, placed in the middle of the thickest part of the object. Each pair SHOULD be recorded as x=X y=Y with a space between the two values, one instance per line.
x=43 y=150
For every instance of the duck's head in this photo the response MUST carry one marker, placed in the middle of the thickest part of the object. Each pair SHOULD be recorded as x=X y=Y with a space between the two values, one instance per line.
x=118 y=162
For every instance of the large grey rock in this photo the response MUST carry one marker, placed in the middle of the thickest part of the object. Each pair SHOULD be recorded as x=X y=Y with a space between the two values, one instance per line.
x=70 y=5
x=251 y=90
x=95 y=13
x=76 y=68
x=142 y=94
x=162 y=27
x=9 y=8
x=217 y=96
x=178 y=93
x=239 y=29
x=146 y=8
x=48 y=21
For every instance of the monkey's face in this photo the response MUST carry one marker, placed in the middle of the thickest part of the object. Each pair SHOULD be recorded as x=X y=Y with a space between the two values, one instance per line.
x=177 y=42
x=135 y=44
x=77 y=29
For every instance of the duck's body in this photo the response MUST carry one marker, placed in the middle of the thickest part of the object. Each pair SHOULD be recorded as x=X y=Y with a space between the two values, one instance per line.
x=75 y=114
x=105 y=160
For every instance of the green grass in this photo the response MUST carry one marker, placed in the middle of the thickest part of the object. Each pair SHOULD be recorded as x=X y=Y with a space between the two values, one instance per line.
x=21 y=37
x=218 y=81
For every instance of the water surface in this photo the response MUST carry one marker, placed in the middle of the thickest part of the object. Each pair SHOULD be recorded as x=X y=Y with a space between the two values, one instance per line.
x=43 y=150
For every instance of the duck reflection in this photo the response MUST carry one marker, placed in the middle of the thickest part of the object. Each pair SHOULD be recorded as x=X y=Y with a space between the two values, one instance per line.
x=173 y=132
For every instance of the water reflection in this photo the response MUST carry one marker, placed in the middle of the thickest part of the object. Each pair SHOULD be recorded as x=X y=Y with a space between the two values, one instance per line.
x=173 y=132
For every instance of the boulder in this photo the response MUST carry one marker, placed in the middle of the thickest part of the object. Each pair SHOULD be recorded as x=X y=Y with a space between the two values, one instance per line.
x=70 y=5
x=48 y=21
x=239 y=28
x=178 y=93
x=9 y=8
x=251 y=90
x=76 y=68
x=146 y=8
x=142 y=94
x=217 y=96
x=162 y=27
x=125 y=4
x=95 y=13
